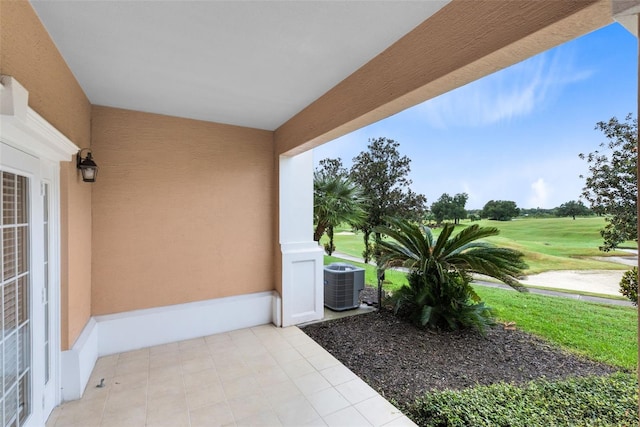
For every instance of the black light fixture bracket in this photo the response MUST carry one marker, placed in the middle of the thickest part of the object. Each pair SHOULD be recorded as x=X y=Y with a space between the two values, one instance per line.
x=87 y=166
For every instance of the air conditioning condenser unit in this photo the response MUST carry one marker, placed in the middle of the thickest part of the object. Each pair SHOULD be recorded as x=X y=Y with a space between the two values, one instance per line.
x=342 y=285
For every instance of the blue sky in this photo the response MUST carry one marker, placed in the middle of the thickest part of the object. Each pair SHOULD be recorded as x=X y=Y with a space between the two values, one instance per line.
x=516 y=134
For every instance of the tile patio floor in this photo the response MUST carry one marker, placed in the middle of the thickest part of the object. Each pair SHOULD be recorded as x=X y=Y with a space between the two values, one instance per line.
x=259 y=376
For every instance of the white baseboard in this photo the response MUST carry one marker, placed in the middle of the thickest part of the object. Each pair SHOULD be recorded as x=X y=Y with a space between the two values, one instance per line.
x=78 y=362
x=117 y=333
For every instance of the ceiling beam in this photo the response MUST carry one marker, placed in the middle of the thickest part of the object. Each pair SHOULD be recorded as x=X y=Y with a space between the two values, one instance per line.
x=464 y=41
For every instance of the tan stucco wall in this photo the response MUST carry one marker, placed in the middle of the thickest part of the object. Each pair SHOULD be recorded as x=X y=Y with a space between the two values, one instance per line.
x=277 y=259
x=182 y=210
x=28 y=54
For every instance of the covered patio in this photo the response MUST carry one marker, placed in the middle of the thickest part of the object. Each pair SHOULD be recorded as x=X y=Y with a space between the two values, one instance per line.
x=261 y=376
x=179 y=275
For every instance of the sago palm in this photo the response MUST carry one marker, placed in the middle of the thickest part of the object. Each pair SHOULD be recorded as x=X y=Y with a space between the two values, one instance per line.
x=439 y=293
x=336 y=200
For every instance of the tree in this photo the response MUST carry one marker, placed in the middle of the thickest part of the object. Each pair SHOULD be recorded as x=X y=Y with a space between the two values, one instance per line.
x=459 y=203
x=629 y=285
x=335 y=200
x=439 y=293
x=447 y=207
x=440 y=208
x=383 y=176
x=501 y=210
x=572 y=208
x=612 y=185
x=332 y=167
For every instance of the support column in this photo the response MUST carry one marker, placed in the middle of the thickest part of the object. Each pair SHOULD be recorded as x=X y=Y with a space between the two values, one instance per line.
x=302 y=258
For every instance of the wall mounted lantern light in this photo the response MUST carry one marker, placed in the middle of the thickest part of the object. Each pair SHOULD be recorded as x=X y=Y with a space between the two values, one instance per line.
x=87 y=166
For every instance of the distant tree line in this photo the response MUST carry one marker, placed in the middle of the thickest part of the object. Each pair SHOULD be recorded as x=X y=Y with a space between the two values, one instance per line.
x=452 y=208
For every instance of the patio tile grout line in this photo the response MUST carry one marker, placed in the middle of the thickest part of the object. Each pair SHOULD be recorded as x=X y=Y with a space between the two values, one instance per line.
x=243 y=349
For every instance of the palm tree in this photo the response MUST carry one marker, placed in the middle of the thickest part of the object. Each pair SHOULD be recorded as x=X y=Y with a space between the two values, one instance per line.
x=336 y=200
x=439 y=293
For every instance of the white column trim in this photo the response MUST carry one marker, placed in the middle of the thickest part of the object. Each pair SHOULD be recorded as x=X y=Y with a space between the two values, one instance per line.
x=302 y=258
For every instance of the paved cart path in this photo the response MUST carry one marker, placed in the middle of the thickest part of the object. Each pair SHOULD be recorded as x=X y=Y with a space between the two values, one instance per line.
x=604 y=282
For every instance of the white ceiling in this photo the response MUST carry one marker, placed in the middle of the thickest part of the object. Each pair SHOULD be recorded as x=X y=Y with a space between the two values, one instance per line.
x=248 y=63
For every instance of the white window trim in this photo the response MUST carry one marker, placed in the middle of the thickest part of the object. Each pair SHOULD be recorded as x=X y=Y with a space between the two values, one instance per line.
x=24 y=129
x=18 y=121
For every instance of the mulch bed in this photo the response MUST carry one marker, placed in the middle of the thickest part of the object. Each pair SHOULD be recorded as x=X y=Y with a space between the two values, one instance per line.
x=402 y=362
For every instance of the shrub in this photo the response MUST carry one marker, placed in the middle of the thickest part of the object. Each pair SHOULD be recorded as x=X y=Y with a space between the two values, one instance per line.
x=588 y=401
x=629 y=285
x=438 y=292
x=450 y=305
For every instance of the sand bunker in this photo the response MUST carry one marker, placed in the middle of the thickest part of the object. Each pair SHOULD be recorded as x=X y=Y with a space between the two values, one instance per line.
x=597 y=281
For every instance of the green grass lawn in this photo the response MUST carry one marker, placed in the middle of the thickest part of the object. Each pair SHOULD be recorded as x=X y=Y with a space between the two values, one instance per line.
x=600 y=332
x=548 y=243
x=555 y=243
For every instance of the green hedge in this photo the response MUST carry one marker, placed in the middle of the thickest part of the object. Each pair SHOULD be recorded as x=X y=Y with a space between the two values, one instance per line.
x=589 y=401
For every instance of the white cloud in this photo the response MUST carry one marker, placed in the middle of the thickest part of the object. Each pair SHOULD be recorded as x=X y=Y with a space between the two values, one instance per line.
x=540 y=194
x=513 y=92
